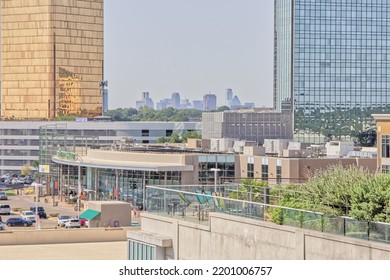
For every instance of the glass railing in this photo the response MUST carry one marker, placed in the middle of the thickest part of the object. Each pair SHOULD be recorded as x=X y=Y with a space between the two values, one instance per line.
x=193 y=203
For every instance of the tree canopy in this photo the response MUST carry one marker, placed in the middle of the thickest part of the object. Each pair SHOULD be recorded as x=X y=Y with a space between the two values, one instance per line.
x=337 y=190
x=148 y=114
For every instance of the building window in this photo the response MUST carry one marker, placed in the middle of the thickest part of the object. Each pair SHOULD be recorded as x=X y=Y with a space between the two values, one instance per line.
x=264 y=172
x=140 y=251
x=278 y=174
x=385 y=168
x=250 y=173
x=386 y=146
x=145 y=132
x=226 y=164
x=168 y=132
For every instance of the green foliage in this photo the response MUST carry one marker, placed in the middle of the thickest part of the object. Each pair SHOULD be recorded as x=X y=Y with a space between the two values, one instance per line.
x=26 y=169
x=66 y=118
x=371 y=201
x=177 y=138
x=191 y=135
x=366 y=138
x=149 y=114
x=250 y=190
x=339 y=191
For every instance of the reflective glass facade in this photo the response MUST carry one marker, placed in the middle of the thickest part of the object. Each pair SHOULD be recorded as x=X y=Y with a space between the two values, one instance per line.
x=332 y=65
x=51 y=58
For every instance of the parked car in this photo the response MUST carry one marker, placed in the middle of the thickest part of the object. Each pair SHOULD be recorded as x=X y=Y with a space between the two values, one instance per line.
x=72 y=223
x=29 y=181
x=3 y=196
x=82 y=220
x=62 y=219
x=28 y=216
x=5 y=209
x=13 y=222
x=2 y=226
x=41 y=211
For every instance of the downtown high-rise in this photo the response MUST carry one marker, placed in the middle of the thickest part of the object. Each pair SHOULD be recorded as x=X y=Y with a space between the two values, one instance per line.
x=51 y=58
x=331 y=65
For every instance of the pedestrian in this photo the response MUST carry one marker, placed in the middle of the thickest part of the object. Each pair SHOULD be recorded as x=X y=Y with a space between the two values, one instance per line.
x=134 y=213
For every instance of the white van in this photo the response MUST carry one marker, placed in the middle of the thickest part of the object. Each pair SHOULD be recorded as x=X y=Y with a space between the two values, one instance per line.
x=5 y=209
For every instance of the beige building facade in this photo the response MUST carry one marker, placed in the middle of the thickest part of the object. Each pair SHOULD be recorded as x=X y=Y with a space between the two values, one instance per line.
x=51 y=58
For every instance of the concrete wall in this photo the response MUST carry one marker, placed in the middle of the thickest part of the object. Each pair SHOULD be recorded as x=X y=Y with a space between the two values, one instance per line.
x=295 y=170
x=232 y=237
x=57 y=236
x=111 y=211
x=136 y=157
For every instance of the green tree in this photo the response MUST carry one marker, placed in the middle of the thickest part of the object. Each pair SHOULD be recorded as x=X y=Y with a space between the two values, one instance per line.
x=366 y=138
x=191 y=135
x=26 y=169
x=250 y=190
x=371 y=201
x=175 y=138
x=163 y=139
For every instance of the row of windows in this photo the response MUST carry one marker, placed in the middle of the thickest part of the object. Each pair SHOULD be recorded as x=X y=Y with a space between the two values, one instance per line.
x=312 y=78
x=264 y=172
x=386 y=146
x=357 y=30
x=141 y=251
x=21 y=142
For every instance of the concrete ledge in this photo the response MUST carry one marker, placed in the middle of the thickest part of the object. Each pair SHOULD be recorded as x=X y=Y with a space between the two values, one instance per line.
x=57 y=236
x=150 y=238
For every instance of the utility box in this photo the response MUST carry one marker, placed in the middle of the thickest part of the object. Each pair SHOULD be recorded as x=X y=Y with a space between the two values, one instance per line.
x=112 y=213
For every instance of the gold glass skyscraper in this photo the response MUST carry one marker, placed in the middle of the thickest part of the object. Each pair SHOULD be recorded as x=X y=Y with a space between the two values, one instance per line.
x=51 y=58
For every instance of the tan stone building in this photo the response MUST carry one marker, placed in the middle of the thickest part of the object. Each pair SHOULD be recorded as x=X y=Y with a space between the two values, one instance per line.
x=383 y=142
x=51 y=58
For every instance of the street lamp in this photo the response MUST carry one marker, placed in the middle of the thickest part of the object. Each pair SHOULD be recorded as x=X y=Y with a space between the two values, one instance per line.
x=79 y=188
x=102 y=85
x=37 y=221
x=215 y=178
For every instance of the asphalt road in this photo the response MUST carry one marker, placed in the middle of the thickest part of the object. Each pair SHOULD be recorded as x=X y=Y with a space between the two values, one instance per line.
x=26 y=202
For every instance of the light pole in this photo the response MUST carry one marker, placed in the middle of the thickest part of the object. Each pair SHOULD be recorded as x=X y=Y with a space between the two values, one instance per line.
x=78 y=160
x=79 y=188
x=215 y=178
x=37 y=221
x=102 y=85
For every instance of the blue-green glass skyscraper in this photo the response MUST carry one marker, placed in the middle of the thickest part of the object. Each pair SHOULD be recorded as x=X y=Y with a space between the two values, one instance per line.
x=331 y=65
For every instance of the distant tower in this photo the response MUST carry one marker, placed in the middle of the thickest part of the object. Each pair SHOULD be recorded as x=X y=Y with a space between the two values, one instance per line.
x=229 y=97
x=176 y=100
x=209 y=102
x=146 y=101
x=197 y=105
x=145 y=95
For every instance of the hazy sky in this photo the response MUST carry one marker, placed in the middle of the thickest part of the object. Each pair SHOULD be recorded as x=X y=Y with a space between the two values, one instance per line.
x=188 y=46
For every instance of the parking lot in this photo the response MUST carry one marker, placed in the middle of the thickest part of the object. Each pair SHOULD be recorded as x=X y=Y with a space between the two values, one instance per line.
x=26 y=201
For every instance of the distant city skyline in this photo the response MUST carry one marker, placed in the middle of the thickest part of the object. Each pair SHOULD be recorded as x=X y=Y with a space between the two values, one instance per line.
x=190 y=47
x=208 y=102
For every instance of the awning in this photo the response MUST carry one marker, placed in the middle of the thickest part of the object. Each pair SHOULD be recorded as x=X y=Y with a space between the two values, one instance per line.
x=89 y=214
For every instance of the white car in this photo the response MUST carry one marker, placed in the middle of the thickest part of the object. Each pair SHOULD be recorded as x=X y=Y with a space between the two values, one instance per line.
x=28 y=216
x=62 y=219
x=3 y=196
x=73 y=223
